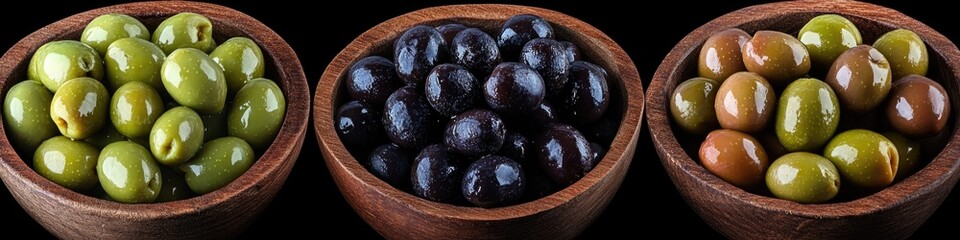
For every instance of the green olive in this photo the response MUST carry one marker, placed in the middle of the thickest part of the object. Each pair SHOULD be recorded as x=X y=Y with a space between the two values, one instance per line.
x=69 y=163
x=218 y=163
x=214 y=125
x=107 y=28
x=241 y=60
x=133 y=60
x=777 y=56
x=174 y=186
x=194 y=80
x=803 y=177
x=720 y=56
x=185 y=30
x=906 y=52
x=692 y=105
x=56 y=62
x=26 y=112
x=861 y=78
x=176 y=136
x=257 y=113
x=909 y=152
x=80 y=108
x=128 y=173
x=807 y=115
x=106 y=136
x=865 y=159
x=827 y=36
x=134 y=108
x=745 y=102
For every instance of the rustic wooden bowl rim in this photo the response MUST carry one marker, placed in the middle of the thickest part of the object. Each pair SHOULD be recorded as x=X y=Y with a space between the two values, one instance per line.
x=290 y=138
x=330 y=83
x=673 y=156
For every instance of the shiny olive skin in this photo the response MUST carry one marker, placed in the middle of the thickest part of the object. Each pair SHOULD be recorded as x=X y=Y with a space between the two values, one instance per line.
x=106 y=136
x=416 y=51
x=213 y=125
x=257 y=113
x=735 y=157
x=909 y=152
x=861 y=78
x=906 y=52
x=134 y=108
x=918 y=106
x=359 y=125
x=128 y=173
x=721 y=54
x=476 y=50
x=564 y=154
x=372 y=80
x=514 y=89
x=450 y=30
x=745 y=102
x=586 y=96
x=803 y=177
x=174 y=186
x=493 y=181
x=573 y=53
x=80 y=108
x=391 y=164
x=219 y=162
x=516 y=146
x=176 y=136
x=778 y=57
x=26 y=113
x=59 y=61
x=437 y=174
x=549 y=58
x=807 y=116
x=827 y=36
x=241 y=60
x=184 y=30
x=692 y=105
x=107 y=28
x=194 y=80
x=408 y=119
x=476 y=132
x=518 y=30
x=451 y=89
x=864 y=158
x=133 y=60
x=68 y=163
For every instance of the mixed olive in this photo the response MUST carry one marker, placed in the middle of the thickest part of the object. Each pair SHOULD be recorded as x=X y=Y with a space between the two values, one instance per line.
x=138 y=118
x=463 y=116
x=768 y=124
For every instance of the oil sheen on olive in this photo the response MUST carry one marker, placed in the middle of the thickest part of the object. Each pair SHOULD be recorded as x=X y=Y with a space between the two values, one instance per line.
x=128 y=173
x=241 y=60
x=59 y=61
x=450 y=30
x=745 y=102
x=721 y=54
x=692 y=105
x=359 y=125
x=68 y=163
x=586 y=96
x=476 y=50
x=807 y=116
x=372 y=80
x=804 y=178
x=909 y=152
x=408 y=119
x=437 y=174
x=861 y=77
x=514 y=89
x=416 y=51
x=476 y=132
x=218 y=163
x=518 y=30
x=107 y=28
x=451 y=89
x=906 y=52
x=493 y=181
x=777 y=56
x=827 y=36
x=864 y=158
x=80 y=108
x=26 y=115
x=564 y=154
x=257 y=113
x=918 y=106
x=184 y=30
x=549 y=58
x=735 y=157
x=391 y=164
x=133 y=60
x=194 y=80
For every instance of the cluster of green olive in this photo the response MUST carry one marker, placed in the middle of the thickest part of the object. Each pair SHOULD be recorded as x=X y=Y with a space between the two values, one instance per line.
x=735 y=98
x=185 y=116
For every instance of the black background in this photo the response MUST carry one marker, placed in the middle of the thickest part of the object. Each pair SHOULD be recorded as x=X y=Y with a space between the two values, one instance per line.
x=311 y=205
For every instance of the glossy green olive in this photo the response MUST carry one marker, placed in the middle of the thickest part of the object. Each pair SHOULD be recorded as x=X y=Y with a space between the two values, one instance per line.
x=128 y=173
x=26 y=113
x=720 y=55
x=194 y=80
x=906 y=52
x=134 y=108
x=745 y=102
x=107 y=28
x=807 y=116
x=176 y=136
x=827 y=36
x=861 y=78
x=777 y=56
x=80 y=108
x=133 y=60
x=56 y=62
x=241 y=60
x=106 y=136
x=803 y=177
x=214 y=125
x=184 y=30
x=691 y=105
x=174 y=186
x=864 y=158
x=218 y=163
x=69 y=163
x=257 y=113
x=909 y=152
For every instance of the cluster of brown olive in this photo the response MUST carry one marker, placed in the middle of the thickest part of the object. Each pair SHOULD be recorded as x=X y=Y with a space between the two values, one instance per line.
x=734 y=99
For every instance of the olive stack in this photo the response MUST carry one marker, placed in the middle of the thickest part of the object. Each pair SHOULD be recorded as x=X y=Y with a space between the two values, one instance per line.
x=882 y=87
x=462 y=117
x=138 y=118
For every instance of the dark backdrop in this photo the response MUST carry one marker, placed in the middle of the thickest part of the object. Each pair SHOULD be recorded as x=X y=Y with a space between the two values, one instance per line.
x=310 y=204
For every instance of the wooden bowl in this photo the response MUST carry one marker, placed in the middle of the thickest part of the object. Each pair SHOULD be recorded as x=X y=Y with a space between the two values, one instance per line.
x=398 y=214
x=223 y=213
x=895 y=212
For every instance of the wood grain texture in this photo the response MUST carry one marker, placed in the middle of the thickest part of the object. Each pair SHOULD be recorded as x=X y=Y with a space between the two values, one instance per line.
x=224 y=213
x=895 y=212
x=397 y=214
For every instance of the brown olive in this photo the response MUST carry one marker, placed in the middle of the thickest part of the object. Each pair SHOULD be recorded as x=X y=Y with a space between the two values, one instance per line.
x=735 y=157
x=745 y=102
x=720 y=56
x=861 y=78
x=777 y=56
x=918 y=106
